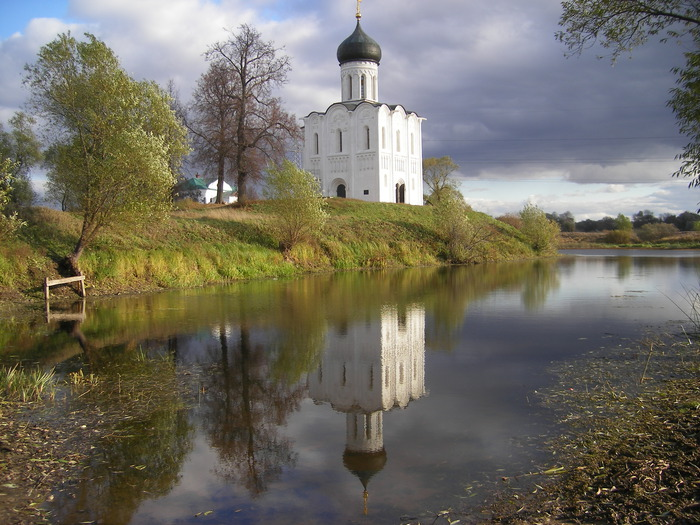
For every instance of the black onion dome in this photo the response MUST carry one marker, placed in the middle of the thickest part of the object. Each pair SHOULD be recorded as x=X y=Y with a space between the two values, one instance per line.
x=359 y=46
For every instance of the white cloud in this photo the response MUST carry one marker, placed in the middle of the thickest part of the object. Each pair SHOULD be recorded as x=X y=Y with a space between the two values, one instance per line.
x=498 y=94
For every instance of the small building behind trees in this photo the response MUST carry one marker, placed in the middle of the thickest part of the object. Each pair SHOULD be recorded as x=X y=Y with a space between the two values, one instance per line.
x=199 y=190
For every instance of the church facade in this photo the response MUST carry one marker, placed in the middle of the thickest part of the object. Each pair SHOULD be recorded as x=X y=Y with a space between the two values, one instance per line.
x=361 y=148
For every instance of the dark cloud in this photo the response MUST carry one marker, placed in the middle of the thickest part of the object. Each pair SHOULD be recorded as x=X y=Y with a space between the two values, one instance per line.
x=498 y=93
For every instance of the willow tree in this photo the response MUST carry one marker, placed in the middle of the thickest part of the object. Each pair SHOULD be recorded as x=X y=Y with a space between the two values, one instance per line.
x=249 y=69
x=621 y=25
x=116 y=140
x=296 y=203
x=437 y=174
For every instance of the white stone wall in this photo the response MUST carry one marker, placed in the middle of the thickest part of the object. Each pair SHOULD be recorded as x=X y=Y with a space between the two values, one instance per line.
x=370 y=149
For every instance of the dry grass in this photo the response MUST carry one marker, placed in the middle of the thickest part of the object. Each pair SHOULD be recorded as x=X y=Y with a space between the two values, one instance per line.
x=217 y=212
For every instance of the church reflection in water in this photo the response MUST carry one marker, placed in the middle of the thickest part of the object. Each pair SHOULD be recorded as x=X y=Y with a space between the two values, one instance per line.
x=367 y=369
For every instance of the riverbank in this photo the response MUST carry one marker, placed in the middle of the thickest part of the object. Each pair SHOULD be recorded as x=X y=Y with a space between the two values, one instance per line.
x=600 y=240
x=630 y=450
x=200 y=245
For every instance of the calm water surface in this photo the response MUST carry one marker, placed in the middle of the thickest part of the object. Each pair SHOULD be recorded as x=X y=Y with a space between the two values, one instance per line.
x=343 y=398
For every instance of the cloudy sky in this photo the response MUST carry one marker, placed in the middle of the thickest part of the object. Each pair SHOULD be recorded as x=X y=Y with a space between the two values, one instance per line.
x=523 y=122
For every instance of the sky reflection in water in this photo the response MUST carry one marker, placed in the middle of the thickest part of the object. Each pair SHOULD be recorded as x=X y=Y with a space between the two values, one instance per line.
x=418 y=385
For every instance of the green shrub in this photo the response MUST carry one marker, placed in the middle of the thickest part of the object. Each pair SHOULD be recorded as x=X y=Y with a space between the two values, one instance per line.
x=541 y=233
x=618 y=237
x=656 y=232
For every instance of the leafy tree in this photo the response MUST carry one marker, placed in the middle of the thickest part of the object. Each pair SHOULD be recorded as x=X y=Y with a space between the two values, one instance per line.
x=686 y=221
x=461 y=236
x=622 y=233
x=541 y=232
x=623 y=223
x=436 y=176
x=641 y=218
x=566 y=220
x=22 y=147
x=9 y=222
x=685 y=103
x=116 y=140
x=297 y=204
x=620 y=26
x=243 y=72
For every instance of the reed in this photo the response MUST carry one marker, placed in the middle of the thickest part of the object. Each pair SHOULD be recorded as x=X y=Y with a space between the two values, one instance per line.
x=18 y=384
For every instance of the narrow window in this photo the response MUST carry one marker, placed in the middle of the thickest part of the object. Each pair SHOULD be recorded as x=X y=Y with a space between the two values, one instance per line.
x=349 y=81
x=316 y=150
x=412 y=148
x=340 y=141
x=383 y=138
x=398 y=141
x=367 y=143
x=363 y=87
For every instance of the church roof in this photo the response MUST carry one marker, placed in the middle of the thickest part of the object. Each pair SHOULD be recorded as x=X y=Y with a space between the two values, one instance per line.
x=353 y=105
x=193 y=184
x=359 y=46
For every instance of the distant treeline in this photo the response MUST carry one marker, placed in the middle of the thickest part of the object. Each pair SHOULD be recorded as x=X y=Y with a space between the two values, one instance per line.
x=686 y=221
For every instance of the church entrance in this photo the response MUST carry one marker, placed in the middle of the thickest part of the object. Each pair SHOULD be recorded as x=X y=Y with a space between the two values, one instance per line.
x=400 y=193
x=340 y=192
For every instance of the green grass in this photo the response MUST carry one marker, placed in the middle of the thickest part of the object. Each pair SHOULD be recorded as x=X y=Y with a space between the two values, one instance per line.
x=18 y=384
x=202 y=245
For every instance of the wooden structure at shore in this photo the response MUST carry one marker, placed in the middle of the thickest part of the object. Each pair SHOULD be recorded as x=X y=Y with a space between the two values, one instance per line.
x=48 y=283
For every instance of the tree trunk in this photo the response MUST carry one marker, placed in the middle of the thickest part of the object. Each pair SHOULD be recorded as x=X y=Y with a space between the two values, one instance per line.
x=221 y=166
x=71 y=261
x=242 y=190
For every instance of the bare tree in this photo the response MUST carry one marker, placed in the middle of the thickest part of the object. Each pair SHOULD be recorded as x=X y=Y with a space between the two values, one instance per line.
x=212 y=123
x=238 y=122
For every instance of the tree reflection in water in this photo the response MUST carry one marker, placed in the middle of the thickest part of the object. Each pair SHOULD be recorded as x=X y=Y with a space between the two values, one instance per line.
x=243 y=410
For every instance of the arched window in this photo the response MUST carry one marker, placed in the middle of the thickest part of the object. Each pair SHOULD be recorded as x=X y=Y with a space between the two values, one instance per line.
x=363 y=87
x=340 y=141
x=316 y=149
x=349 y=88
x=398 y=141
x=367 y=141
x=400 y=193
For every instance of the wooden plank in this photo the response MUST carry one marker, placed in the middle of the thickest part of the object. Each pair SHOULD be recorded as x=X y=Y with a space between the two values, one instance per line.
x=66 y=280
x=48 y=283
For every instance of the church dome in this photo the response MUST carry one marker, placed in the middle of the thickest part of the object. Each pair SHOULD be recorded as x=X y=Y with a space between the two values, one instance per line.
x=359 y=46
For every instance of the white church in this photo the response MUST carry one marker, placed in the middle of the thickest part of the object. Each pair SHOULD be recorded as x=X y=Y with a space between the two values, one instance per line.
x=361 y=148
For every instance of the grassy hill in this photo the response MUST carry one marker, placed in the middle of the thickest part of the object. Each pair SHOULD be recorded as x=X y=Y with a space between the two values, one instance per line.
x=207 y=244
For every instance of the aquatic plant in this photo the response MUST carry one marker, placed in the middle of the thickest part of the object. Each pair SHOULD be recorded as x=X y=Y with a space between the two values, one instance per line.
x=18 y=384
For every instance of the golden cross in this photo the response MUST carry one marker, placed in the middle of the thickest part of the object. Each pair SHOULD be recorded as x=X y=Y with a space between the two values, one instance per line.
x=358 y=15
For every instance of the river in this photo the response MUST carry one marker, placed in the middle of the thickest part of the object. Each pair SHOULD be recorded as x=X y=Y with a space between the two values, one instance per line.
x=357 y=397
